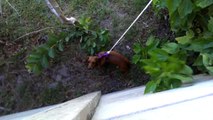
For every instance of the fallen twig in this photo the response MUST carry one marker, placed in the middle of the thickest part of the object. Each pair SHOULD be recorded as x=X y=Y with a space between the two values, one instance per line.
x=34 y=32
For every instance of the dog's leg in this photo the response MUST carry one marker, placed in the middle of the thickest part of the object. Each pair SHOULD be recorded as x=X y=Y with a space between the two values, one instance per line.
x=102 y=61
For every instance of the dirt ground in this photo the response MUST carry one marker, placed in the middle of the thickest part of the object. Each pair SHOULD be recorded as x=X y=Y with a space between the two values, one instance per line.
x=69 y=77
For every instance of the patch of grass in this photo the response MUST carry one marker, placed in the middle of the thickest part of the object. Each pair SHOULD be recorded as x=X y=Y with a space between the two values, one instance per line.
x=30 y=16
x=35 y=15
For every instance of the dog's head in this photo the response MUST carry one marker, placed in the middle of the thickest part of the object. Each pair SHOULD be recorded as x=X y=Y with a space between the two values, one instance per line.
x=92 y=61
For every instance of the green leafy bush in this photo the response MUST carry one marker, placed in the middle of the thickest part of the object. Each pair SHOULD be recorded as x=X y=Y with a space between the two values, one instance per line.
x=165 y=64
x=192 y=22
x=93 y=41
x=186 y=14
x=90 y=40
x=203 y=45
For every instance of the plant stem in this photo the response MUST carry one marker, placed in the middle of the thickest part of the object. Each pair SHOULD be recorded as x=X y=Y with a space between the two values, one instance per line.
x=33 y=32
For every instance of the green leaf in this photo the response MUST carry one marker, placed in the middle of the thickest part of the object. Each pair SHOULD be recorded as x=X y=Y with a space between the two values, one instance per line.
x=204 y=3
x=150 y=40
x=150 y=87
x=32 y=60
x=151 y=70
x=44 y=62
x=36 y=69
x=35 y=56
x=136 y=59
x=207 y=61
x=183 y=78
x=29 y=66
x=52 y=40
x=190 y=33
x=104 y=32
x=61 y=46
x=172 y=5
x=88 y=20
x=51 y=52
x=155 y=2
x=185 y=39
x=201 y=45
x=158 y=54
x=185 y=8
x=198 y=61
x=171 y=48
x=89 y=42
x=94 y=34
x=175 y=22
x=210 y=70
x=210 y=24
x=186 y=70
x=42 y=49
x=137 y=48
x=94 y=45
x=175 y=83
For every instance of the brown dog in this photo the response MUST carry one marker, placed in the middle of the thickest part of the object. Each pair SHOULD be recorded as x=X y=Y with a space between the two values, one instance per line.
x=113 y=58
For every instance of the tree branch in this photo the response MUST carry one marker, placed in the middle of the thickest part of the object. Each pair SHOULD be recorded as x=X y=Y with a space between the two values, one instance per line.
x=54 y=7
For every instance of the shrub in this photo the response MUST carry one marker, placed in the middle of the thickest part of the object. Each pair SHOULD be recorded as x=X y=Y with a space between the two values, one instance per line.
x=90 y=40
x=165 y=64
x=192 y=22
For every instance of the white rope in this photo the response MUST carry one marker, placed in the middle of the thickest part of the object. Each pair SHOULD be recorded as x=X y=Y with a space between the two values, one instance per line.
x=130 y=27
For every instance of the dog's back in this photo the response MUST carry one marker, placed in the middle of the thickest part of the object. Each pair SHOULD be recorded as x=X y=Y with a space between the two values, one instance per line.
x=119 y=60
x=114 y=58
